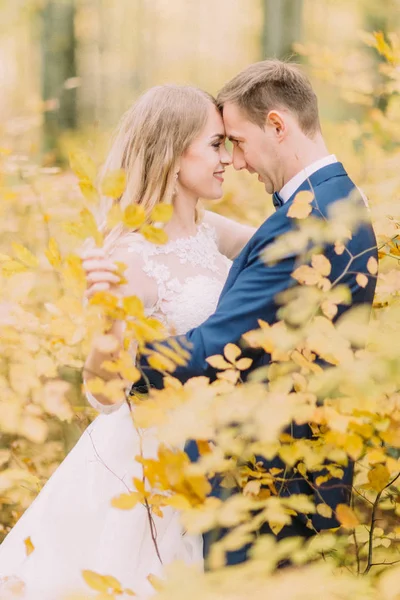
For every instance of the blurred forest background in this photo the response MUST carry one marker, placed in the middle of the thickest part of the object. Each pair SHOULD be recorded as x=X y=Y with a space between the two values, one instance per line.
x=68 y=71
x=67 y=66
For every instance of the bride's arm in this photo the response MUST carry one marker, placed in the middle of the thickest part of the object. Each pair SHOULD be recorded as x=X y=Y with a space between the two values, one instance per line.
x=232 y=236
x=100 y=273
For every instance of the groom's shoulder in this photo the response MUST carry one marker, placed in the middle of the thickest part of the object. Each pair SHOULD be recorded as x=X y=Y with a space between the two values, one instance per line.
x=339 y=188
x=334 y=187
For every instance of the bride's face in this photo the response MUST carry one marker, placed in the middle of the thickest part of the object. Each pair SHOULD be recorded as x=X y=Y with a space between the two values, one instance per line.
x=202 y=166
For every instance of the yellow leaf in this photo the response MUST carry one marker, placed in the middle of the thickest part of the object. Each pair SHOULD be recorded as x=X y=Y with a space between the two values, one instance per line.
x=113 y=584
x=11 y=267
x=53 y=254
x=73 y=271
x=329 y=309
x=89 y=191
x=139 y=486
x=203 y=447
x=321 y=264
x=134 y=216
x=114 y=216
x=155 y=235
x=229 y=375
x=121 y=268
x=322 y=479
x=156 y=582
x=376 y=456
x=362 y=280
x=95 y=581
x=290 y=454
x=232 y=352
x=34 y=429
x=301 y=206
x=95 y=385
x=306 y=275
x=218 y=362
x=113 y=184
x=162 y=213
x=126 y=501
x=324 y=510
x=339 y=248
x=379 y=477
x=133 y=306
x=104 y=299
x=29 y=547
x=82 y=165
x=252 y=488
x=244 y=363
x=161 y=363
x=372 y=265
x=171 y=354
x=346 y=516
x=382 y=46
x=24 y=255
x=131 y=373
x=89 y=227
x=179 y=502
x=354 y=446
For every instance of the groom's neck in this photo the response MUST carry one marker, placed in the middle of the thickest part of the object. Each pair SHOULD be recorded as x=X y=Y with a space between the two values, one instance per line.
x=303 y=152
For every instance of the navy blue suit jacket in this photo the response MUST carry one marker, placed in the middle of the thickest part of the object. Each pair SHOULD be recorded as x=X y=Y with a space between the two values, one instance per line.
x=249 y=295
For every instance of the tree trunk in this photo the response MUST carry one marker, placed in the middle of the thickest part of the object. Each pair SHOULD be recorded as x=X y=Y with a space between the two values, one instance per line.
x=282 y=27
x=58 y=59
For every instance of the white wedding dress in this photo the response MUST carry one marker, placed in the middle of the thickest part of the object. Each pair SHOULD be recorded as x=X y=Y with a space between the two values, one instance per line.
x=71 y=523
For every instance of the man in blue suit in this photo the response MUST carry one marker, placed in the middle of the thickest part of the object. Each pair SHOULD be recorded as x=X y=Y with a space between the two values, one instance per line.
x=270 y=113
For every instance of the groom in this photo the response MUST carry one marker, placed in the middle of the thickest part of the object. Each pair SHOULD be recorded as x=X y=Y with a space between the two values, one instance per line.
x=271 y=116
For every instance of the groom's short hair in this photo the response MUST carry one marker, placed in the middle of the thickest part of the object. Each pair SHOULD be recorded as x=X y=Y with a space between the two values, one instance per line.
x=273 y=84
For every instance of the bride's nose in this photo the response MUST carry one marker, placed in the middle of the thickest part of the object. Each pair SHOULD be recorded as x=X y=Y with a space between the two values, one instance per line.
x=226 y=158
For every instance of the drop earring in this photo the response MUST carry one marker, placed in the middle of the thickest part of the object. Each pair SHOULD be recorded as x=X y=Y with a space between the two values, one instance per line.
x=176 y=181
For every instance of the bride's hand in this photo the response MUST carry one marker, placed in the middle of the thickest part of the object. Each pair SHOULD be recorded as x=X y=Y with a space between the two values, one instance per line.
x=101 y=272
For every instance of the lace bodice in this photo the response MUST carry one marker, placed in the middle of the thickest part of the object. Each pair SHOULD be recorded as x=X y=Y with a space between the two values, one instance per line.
x=179 y=282
x=188 y=275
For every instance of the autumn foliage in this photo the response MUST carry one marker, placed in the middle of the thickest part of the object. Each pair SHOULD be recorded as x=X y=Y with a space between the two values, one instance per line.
x=353 y=405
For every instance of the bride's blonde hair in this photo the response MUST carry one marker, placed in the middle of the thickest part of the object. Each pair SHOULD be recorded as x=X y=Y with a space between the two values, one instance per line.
x=150 y=140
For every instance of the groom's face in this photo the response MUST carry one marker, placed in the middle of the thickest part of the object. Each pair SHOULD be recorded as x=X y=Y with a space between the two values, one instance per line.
x=254 y=148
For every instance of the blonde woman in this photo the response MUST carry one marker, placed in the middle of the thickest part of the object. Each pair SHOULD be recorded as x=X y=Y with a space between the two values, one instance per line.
x=171 y=144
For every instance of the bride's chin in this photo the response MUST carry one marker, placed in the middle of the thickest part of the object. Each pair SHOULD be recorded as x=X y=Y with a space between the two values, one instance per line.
x=217 y=195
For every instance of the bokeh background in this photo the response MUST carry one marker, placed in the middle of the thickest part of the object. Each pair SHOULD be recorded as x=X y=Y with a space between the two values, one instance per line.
x=70 y=68
x=67 y=66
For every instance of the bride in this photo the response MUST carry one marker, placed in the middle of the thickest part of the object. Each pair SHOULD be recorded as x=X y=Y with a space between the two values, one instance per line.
x=171 y=144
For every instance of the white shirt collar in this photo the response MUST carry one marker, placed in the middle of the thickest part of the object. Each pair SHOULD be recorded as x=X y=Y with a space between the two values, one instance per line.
x=293 y=184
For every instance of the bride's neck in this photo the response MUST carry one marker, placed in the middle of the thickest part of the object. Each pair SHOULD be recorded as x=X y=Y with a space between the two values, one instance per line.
x=183 y=221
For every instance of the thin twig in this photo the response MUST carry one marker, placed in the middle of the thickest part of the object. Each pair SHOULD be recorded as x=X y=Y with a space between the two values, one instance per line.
x=104 y=464
x=357 y=551
x=394 y=562
x=373 y=521
x=153 y=529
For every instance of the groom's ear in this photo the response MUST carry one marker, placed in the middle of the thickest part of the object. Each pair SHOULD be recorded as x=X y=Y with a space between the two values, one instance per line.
x=277 y=122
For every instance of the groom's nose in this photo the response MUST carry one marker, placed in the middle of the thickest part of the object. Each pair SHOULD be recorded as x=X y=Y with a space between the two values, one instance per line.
x=238 y=160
